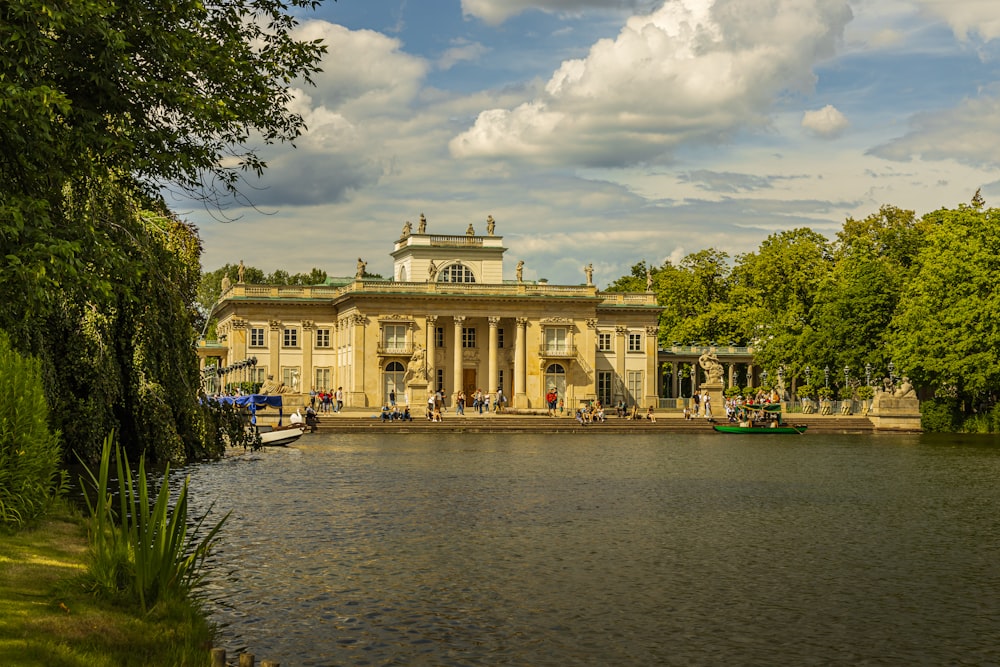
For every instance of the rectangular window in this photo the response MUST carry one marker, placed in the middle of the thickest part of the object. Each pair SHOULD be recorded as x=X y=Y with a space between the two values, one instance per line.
x=394 y=336
x=290 y=338
x=290 y=376
x=500 y=338
x=257 y=337
x=555 y=340
x=604 y=342
x=604 y=387
x=258 y=374
x=322 y=379
x=440 y=380
x=468 y=336
x=634 y=386
x=322 y=338
x=501 y=385
x=439 y=337
x=635 y=342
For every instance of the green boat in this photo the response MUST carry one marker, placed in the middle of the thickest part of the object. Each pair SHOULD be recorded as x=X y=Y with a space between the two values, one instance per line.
x=763 y=419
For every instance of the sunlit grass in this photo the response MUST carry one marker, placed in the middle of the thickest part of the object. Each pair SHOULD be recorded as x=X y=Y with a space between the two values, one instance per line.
x=50 y=620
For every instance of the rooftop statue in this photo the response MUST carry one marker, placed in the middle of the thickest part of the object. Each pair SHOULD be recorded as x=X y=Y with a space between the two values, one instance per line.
x=491 y=225
x=422 y=228
x=407 y=229
x=361 y=268
x=470 y=231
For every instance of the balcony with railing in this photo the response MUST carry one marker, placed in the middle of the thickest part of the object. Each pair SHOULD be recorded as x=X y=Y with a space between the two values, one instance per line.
x=560 y=351
x=393 y=349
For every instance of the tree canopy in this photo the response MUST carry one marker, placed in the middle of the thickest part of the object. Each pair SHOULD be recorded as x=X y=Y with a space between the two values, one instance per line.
x=102 y=105
x=919 y=293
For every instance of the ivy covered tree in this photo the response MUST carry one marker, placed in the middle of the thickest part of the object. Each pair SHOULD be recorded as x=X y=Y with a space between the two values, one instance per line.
x=102 y=105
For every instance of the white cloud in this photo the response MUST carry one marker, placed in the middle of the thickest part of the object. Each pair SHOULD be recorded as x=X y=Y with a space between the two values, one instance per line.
x=494 y=12
x=693 y=71
x=461 y=53
x=826 y=122
x=969 y=134
x=980 y=17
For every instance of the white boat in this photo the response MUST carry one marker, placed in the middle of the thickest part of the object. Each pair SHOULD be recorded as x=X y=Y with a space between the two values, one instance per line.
x=279 y=436
x=270 y=436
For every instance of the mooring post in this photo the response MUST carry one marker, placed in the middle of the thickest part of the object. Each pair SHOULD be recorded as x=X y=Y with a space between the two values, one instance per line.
x=246 y=659
x=218 y=657
x=270 y=663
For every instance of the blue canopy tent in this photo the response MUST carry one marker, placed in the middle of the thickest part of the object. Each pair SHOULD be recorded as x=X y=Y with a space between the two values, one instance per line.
x=253 y=402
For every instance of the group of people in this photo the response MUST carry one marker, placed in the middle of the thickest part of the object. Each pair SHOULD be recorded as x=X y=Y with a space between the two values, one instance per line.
x=594 y=412
x=701 y=406
x=326 y=400
x=393 y=413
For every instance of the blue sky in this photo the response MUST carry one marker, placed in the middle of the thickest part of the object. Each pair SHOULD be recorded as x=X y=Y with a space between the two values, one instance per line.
x=606 y=132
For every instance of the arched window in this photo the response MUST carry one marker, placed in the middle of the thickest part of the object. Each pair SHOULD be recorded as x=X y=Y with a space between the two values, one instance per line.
x=555 y=378
x=456 y=273
x=393 y=381
x=402 y=274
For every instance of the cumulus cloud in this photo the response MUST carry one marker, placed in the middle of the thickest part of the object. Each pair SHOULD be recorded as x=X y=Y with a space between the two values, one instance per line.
x=692 y=71
x=969 y=133
x=495 y=12
x=367 y=86
x=826 y=122
x=966 y=16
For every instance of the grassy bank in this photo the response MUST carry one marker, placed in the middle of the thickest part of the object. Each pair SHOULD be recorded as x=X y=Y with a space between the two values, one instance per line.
x=48 y=619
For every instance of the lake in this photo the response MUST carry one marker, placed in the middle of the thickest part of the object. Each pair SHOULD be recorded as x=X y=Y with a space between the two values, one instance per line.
x=486 y=549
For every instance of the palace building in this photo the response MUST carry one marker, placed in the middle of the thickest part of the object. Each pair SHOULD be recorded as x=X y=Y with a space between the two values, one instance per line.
x=447 y=320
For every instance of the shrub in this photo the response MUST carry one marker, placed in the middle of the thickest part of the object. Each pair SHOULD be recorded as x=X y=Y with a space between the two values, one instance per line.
x=30 y=475
x=940 y=415
x=140 y=552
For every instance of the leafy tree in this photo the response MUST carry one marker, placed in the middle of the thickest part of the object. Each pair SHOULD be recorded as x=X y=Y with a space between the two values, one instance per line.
x=103 y=104
x=773 y=292
x=946 y=335
x=856 y=303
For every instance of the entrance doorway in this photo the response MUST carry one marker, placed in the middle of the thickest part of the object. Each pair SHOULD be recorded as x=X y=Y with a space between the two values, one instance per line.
x=469 y=382
x=555 y=378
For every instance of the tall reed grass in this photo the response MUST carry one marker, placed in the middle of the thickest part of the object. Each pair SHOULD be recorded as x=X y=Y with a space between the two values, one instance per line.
x=145 y=552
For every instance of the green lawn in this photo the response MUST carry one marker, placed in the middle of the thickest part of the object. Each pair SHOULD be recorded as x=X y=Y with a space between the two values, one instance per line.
x=48 y=619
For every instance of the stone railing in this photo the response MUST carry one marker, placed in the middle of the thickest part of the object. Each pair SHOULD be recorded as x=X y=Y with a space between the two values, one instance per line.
x=628 y=299
x=557 y=351
x=389 y=286
x=395 y=350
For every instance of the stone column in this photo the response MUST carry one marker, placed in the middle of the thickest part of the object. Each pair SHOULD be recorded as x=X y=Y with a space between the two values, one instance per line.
x=675 y=379
x=520 y=398
x=308 y=341
x=431 y=352
x=621 y=336
x=456 y=371
x=274 y=350
x=357 y=397
x=492 y=365
x=652 y=369
x=731 y=374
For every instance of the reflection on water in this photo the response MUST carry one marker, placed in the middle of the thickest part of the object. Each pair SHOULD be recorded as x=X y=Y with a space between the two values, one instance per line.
x=555 y=550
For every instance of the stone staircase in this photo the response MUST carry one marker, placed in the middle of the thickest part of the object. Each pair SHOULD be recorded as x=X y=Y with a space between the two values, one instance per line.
x=363 y=420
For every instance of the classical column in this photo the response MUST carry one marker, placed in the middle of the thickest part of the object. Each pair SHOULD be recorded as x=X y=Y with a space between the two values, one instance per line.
x=357 y=396
x=675 y=379
x=308 y=341
x=456 y=372
x=274 y=349
x=520 y=398
x=731 y=374
x=492 y=366
x=621 y=335
x=430 y=351
x=652 y=371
